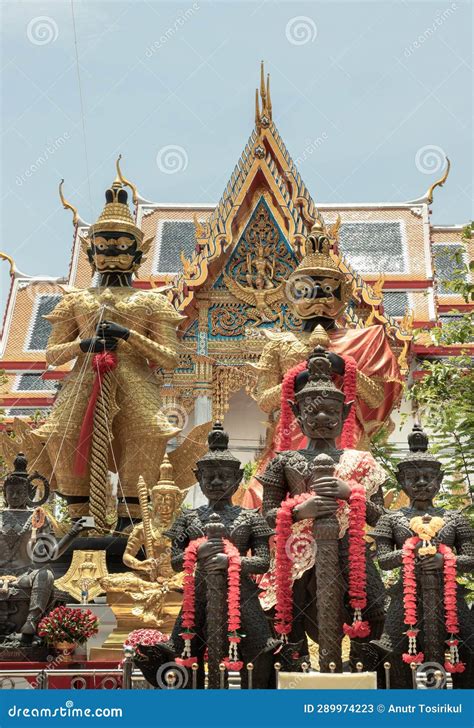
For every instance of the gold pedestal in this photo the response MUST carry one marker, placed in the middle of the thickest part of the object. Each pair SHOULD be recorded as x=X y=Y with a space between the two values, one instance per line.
x=130 y=616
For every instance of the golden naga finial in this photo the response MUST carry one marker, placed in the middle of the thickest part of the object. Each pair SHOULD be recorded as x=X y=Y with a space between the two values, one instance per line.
x=377 y=286
x=125 y=181
x=333 y=230
x=10 y=260
x=438 y=183
x=199 y=228
x=67 y=205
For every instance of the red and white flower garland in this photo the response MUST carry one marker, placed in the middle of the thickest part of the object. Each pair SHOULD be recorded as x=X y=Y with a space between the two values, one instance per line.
x=232 y=661
x=450 y=605
x=357 y=564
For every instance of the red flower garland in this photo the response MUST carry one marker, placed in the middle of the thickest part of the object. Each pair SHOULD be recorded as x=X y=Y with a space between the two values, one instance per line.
x=357 y=564
x=232 y=661
x=349 y=386
x=450 y=605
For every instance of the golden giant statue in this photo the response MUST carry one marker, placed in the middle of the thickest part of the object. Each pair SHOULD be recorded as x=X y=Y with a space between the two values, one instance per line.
x=363 y=364
x=108 y=414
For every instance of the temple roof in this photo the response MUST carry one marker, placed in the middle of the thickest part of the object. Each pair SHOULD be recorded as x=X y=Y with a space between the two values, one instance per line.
x=193 y=242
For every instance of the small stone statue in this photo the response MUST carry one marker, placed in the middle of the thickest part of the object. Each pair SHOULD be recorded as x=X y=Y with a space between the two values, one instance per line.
x=428 y=620
x=220 y=540
x=27 y=544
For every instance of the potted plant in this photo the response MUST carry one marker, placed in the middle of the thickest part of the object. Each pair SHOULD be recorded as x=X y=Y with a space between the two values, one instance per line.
x=66 y=627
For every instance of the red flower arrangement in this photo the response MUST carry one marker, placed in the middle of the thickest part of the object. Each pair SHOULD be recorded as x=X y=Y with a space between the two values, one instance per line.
x=357 y=565
x=450 y=605
x=232 y=661
x=288 y=394
x=66 y=624
x=145 y=637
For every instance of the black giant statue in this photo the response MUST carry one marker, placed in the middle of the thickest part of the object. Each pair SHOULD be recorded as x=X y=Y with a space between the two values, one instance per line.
x=27 y=544
x=428 y=620
x=220 y=539
x=321 y=578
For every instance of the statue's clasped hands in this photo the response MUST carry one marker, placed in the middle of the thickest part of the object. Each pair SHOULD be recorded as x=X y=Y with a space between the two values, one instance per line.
x=106 y=338
x=327 y=492
x=429 y=563
x=211 y=556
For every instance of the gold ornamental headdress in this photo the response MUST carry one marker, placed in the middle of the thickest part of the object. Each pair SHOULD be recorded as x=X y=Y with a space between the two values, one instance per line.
x=116 y=216
x=334 y=289
x=317 y=260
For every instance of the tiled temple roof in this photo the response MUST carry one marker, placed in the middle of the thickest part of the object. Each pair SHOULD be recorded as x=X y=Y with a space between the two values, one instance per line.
x=191 y=242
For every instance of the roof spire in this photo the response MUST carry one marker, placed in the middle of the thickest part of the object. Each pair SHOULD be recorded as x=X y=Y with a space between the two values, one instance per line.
x=257 y=111
x=263 y=118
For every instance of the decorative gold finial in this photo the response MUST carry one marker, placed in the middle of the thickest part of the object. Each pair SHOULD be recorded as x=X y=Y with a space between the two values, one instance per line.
x=319 y=337
x=263 y=93
x=438 y=183
x=263 y=117
x=257 y=111
x=269 y=101
x=67 y=205
x=334 y=228
x=10 y=260
x=125 y=181
x=166 y=472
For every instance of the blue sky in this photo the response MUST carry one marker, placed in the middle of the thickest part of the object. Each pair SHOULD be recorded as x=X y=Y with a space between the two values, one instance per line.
x=377 y=82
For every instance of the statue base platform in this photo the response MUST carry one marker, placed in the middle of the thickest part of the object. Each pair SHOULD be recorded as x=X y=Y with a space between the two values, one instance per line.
x=129 y=616
x=12 y=650
x=114 y=547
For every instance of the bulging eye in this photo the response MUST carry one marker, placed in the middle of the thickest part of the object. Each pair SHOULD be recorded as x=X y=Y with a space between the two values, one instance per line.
x=122 y=246
x=327 y=289
x=101 y=246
